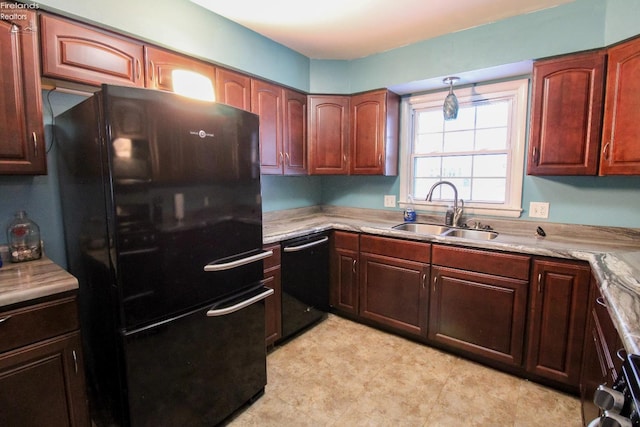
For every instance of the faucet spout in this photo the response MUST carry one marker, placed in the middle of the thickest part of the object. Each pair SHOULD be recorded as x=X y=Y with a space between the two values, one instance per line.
x=457 y=212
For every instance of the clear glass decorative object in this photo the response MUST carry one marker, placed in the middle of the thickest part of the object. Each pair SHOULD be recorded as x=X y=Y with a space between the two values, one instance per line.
x=450 y=107
x=23 y=237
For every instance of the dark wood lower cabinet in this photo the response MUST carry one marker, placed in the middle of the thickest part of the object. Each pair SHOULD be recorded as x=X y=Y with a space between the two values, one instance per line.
x=478 y=313
x=273 y=304
x=600 y=361
x=43 y=385
x=343 y=292
x=394 y=277
x=524 y=314
x=42 y=379
x=393 y=292
x=557 y=320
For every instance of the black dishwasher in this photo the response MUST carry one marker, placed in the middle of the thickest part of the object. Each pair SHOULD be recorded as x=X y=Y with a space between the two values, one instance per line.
x=305 y=282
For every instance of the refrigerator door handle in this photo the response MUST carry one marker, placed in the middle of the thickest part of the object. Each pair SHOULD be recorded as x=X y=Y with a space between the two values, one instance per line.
x=305 y=246
x=242 y=304
x=237 y=263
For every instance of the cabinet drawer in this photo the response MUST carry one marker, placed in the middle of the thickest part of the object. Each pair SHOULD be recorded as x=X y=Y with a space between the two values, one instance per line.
x=34 y=323
x=496 y=263
x=273 y=260
x=345 y=240
x=404 y=249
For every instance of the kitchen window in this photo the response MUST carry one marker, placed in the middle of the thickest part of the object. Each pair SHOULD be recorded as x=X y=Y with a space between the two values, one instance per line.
x=481 y=152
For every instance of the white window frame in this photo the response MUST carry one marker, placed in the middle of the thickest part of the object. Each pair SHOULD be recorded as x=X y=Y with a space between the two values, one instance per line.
x=518 y=91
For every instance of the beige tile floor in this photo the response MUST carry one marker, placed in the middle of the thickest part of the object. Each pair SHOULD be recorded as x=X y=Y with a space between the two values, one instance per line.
x=341 y=373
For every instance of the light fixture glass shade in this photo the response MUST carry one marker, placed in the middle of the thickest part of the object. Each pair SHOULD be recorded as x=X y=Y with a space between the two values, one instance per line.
x=193 y=85
x=450 y=107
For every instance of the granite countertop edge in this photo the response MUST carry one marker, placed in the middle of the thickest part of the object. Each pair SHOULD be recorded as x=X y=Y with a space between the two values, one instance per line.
x=615 y=264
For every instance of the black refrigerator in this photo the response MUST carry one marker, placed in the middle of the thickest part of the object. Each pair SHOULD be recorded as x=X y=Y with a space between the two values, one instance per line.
x=162 y=219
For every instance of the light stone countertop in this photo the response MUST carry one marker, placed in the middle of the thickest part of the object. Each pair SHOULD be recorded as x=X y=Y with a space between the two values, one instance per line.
x=29 y=280
x=612 y=252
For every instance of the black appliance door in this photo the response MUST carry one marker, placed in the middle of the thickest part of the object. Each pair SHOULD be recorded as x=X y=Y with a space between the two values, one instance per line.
x=198 y=368
x=184 y=180
x=305 y=282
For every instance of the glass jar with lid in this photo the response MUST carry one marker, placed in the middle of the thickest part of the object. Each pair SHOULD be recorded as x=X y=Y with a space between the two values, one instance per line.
x=23 y=236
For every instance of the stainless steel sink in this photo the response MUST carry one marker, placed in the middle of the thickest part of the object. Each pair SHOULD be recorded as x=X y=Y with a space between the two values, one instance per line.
x=443 y=230
x=422 y=228
x=471 y=234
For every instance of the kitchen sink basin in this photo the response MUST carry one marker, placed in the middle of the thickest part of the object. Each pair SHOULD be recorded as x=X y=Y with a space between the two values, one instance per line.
x=443 y=230
x=471 y=234
x=422 y=228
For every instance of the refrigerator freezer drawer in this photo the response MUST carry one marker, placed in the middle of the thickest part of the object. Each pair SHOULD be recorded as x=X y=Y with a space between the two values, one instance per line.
x=196 y=370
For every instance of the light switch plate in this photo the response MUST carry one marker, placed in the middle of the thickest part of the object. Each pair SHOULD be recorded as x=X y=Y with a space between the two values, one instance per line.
x=389 y=201
x=539 y=210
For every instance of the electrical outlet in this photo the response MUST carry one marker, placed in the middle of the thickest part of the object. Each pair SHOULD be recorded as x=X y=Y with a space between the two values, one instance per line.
x=389 y=201
x=539 y=210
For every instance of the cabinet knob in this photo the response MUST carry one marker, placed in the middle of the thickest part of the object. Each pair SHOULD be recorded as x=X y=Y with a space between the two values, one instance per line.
x=353 y=268
x=4 y=319
x=534 y=155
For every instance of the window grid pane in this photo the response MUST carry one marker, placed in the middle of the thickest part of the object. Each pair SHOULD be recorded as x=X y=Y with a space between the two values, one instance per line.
x=472 y=150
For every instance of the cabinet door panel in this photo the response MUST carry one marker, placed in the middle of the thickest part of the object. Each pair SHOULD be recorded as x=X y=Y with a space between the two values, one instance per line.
x=22 y=149
x=566 y=115
x=621 y=151
x=558 y=316
x=76 y=52
x=160 y=63
x=374 y=133
x=295 y=133
x=392 y=292
x=233 y=89
x=328 y=135
x=43 y=385
x=344 y=271
x=479 y=313
x=266 y=101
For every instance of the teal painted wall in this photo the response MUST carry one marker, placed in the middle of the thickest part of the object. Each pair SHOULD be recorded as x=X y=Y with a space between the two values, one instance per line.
x=581 y=25
x=289 y=192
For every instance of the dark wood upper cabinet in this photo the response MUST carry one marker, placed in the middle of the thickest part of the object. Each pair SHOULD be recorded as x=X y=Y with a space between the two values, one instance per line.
x=354 y=135
x=566 y=115
x=233 y=89
x=267 y=101
x=374 y=133
x=160 y=63
x=329 y=134
x=294 y=144
x=620 y=147
x=84 y=54
x=22 y=147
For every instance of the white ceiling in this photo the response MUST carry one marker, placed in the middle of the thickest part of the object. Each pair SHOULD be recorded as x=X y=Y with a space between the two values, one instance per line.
x=349 y=29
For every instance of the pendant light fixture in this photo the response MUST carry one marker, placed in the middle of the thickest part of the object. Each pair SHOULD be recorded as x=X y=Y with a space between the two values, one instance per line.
x=450 y=107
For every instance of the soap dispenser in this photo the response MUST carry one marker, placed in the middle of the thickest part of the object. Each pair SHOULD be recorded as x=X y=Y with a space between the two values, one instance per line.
x=448 y=216
x=409 y=211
